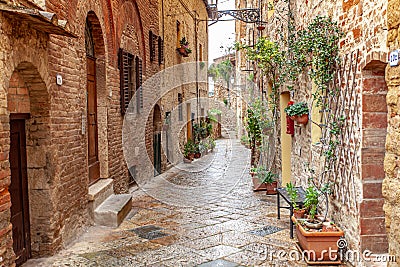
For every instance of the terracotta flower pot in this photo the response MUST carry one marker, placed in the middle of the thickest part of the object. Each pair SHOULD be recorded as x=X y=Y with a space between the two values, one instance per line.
x=271 y=188
x=257 y=185
x=319 y=242
x=303 y=119
x=187 y=160
x=182 y=51
x=299 y=214
x=197 y=155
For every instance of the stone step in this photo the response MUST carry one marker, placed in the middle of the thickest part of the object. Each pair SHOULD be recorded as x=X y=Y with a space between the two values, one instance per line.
x=100 y=191
x=113 y=210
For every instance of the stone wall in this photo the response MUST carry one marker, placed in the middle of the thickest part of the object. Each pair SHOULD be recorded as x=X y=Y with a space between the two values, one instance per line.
x=391 y=184
x=363 y=24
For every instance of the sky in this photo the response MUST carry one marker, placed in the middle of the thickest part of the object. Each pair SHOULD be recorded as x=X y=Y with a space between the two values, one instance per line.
x=221 y=33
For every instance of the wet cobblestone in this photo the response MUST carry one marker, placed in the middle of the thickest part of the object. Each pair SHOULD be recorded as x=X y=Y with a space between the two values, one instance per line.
x=222 y=228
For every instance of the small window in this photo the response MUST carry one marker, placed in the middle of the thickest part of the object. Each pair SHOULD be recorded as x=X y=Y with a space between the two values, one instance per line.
x=160 y=50
x=130 y=79
x=200 y=52
x=180 y=110
x=152 y=46
x=178 y=33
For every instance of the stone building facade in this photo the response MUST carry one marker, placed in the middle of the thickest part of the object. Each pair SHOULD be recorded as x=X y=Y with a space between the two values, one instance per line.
x=62 y=111
x=358 y=192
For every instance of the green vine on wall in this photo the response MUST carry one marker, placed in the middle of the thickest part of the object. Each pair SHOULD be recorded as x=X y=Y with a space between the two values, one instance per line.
x=316 y=49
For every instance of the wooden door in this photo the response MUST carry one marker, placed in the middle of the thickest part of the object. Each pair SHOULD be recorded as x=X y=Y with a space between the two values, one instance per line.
x=19 y=192
x=93 y=154
x=157 y=153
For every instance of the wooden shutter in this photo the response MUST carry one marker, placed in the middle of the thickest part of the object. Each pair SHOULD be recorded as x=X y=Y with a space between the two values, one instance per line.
x=124 y=68
x=160 y=50
x=139 y=81
x=152 y=45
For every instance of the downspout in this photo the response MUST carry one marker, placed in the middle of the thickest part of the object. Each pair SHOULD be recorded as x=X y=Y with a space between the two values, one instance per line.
x=197 y=66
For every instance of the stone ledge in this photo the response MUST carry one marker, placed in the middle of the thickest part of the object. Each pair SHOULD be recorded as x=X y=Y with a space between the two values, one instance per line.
x=113 y=210
x=100 y=191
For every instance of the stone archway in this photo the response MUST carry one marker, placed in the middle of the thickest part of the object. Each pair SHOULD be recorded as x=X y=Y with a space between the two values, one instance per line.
x=374 y=129
x=97 y=103
x=28 y=104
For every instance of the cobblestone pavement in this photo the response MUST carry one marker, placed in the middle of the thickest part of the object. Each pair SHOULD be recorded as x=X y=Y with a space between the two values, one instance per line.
x=224 y=226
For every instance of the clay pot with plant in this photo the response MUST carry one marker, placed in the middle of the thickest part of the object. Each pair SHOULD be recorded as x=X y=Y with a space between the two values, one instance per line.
x=316 y=233
x=269 y=179
x=293 y=196
x=298 y=112
x=184 y=49
x=188 y=151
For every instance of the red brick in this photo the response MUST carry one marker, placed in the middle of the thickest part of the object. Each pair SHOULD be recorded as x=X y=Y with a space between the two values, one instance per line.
x=372 y=190
x=373 y=156
x=374 y=120
x=372 y=208
x=374 y=85
x=374 y=103
x=377 y=244
x=372 y=226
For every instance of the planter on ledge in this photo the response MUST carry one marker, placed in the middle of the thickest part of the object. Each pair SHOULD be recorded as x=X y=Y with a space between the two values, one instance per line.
x=271 y=188
x=320 y=243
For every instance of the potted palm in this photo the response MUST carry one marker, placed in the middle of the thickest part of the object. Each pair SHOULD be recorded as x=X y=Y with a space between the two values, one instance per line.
x=269 y=179
x=298 y=112
x=184 y=49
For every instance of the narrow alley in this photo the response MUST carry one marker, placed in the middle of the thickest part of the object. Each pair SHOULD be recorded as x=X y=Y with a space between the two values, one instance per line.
x=237 y=228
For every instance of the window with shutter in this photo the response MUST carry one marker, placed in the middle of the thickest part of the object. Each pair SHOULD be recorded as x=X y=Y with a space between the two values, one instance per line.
x=139 y=81
x=125 y=66
x=151 y=46
x=180 y=111
x=160 y=50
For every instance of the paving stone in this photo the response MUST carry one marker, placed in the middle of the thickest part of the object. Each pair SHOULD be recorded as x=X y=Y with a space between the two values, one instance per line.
x=266 y=230
x=235 y=228
x=219 y=251
x=218 y=263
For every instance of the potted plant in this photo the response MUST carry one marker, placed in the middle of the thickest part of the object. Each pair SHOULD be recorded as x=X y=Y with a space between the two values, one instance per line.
x=253 y=171
x=309 y=231
x=196 y=150
x=269 y=179
x=293 y=195
x=203 y=147
x=257 y=184
x=184 y=49
x=298 y=112
x=188 y=152
x=212 y=144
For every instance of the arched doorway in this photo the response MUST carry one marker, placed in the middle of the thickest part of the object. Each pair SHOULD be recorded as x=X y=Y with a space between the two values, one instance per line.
x=157 y=140
x=30 y=164
x=96 y=101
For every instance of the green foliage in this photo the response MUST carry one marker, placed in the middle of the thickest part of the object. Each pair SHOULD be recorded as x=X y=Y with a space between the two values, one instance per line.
x=189 y=148
x=270 y=58
x=297 y=109
x=311 y=201
x=316 y=48
x=185 y=44
x=265 y=176
x=225 y=101
x=212 y=114
x=221 y=70
x=202 y=65
x=293 y=195
x=245 y=139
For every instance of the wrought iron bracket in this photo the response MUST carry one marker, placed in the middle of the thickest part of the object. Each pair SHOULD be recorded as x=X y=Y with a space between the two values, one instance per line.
x=248 y=15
